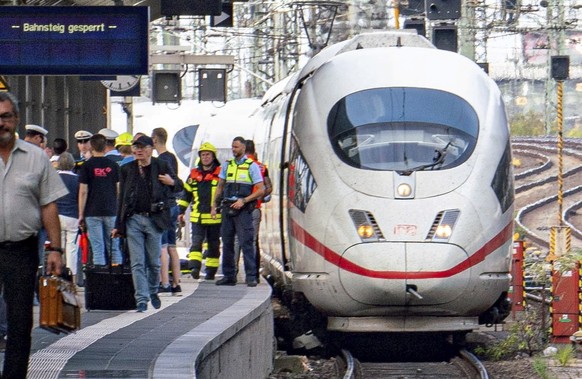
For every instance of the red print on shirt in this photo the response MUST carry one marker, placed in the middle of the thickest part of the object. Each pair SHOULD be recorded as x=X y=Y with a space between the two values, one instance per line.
x=101 y=172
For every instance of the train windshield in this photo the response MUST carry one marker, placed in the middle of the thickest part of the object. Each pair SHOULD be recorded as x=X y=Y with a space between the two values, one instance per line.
x=403 y=129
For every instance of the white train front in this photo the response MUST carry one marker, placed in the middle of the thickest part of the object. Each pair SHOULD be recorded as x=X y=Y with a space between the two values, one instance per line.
x=392 y=206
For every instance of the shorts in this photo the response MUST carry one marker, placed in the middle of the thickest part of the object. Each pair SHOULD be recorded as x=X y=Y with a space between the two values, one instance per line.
x=169 y=235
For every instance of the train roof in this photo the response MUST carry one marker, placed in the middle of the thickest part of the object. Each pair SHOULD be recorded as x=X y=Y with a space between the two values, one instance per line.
x=395 y=38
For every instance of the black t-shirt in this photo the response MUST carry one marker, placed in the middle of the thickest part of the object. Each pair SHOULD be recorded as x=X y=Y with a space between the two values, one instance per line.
x=101 y=175
x=144 y=189
x=170 y=160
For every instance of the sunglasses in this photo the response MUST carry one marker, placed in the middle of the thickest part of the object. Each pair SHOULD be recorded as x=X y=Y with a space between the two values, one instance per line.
x=82 y=140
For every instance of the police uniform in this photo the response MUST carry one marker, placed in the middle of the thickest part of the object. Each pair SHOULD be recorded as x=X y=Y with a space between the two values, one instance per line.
x=199 y=190
x=81 y=135
x=111 y=151
x=36 y=128
x=240 y=178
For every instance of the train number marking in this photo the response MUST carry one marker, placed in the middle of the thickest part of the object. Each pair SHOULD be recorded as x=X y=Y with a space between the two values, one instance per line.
x=404 y=229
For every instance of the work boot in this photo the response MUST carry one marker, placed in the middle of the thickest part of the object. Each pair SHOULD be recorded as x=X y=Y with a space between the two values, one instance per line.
x=195 y=267
x=210 y=273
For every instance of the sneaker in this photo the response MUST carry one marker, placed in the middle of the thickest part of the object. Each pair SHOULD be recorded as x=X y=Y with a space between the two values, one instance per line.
x=251 y=283
x=176 y=291
x=195 y=273
x=226 y=282
x=142 y=307
x=165 y=289
x=156 y=302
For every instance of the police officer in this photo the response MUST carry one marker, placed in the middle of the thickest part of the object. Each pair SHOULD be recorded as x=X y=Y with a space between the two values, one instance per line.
x=82 y=137
x=110 y=149
x=36 y=135
x=199 y=190
x=242 y=184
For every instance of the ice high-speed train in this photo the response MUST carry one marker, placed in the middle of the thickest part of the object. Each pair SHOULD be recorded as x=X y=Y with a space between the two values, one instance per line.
x=392 y=207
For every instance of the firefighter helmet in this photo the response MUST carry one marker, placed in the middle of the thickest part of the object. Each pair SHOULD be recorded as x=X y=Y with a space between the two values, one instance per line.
x=124 y=139
x=207 y=146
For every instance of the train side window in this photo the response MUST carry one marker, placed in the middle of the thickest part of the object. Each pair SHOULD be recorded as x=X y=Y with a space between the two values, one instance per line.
x=403 y=129
x=502 y=182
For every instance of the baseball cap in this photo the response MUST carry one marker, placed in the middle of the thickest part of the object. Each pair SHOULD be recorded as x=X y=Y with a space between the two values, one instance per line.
x=109 y=134
x=83 y=135
x=36 y=128
x=143 y=141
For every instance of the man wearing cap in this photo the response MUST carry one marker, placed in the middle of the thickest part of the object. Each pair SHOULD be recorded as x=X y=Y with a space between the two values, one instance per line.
x=146 y=186
x=36 y=135
x=82 y=137
x=110 y=150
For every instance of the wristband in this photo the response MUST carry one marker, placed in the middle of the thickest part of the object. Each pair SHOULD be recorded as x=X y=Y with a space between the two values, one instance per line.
x=57 y=249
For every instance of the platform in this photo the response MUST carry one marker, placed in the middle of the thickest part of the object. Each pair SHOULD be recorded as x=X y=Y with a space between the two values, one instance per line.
x=175 y=341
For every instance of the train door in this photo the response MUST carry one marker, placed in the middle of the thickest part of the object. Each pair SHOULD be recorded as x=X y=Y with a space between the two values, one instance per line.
x=286 y=117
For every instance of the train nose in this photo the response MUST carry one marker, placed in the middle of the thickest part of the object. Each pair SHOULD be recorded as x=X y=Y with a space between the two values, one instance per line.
x=404 y=273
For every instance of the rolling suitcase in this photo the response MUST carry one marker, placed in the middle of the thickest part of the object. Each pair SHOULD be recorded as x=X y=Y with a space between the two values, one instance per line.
x=109 y=287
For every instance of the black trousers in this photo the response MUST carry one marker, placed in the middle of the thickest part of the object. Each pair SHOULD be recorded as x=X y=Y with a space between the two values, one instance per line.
x=18 y=266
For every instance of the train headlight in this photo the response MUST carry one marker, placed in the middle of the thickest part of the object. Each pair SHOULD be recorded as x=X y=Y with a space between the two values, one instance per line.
x=365 y=231
x=404 y=190
x=443 y=226
x=443 y=231
x=366 y=226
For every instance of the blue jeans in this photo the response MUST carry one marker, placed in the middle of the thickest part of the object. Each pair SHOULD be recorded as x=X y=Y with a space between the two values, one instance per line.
x=144 y=241
x=242 y=227
x=99 y=232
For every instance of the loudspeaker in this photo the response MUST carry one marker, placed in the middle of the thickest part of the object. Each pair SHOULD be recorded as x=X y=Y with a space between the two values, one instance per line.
x=560 y=67
x=444 y=37
x=212 y=84
x=166 y=87
x=443 y=9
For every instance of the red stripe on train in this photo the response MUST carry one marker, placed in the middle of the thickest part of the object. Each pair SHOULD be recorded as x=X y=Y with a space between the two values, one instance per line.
x=302 y=236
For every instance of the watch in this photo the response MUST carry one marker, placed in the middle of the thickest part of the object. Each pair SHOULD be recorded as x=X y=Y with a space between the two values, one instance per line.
x=122 y=83
x=57 y=249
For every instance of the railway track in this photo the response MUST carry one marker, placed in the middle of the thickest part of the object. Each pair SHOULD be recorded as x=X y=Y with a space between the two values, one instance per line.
x=463 y=365
x=537 y=188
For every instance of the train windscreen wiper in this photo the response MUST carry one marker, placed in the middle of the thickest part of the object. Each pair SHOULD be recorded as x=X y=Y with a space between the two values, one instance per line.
x=438 y=159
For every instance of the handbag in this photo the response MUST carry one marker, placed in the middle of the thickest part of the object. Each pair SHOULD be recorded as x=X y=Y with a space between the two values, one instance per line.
x=60 y=311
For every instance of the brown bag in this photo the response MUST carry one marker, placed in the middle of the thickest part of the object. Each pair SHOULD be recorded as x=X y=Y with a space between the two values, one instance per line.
x=60 y=311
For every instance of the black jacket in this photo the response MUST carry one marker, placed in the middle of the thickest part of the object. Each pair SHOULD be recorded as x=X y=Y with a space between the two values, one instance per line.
x=160 y=193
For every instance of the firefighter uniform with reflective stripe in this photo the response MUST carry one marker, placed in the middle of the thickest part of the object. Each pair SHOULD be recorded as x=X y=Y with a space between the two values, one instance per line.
x=199 y=190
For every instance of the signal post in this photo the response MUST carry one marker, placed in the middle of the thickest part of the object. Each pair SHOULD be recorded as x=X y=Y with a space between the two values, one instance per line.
x=565 y=306
x=516 y=293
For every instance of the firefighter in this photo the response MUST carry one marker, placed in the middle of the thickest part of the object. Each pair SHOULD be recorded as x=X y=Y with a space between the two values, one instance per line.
x=199 y=190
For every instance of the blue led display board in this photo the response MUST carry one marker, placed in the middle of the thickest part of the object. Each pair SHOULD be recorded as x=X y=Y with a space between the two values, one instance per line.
x=74 y=40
